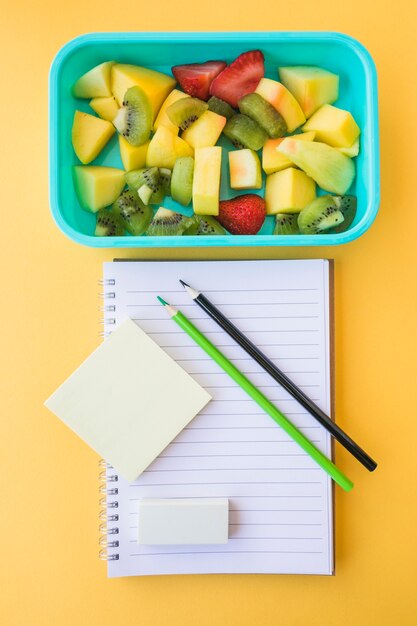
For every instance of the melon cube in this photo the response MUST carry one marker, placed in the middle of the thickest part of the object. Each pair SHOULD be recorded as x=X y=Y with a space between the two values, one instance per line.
x=311 y=86
x=95 y=83
x=274 y=161
x=333 y=126
x=89 y=135
x=96 y=186
x=245 y=169
x=106 y=108
x=156 y=85
x=206 y=182
x=288 y=191
x=165 y=148
x=284 y=102
x=332 y=170
x=162 y=118
x=133 y=157
x=205 y=131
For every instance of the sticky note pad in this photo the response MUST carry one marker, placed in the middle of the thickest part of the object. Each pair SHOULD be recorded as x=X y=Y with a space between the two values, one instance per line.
x=183 y=521
x=128 y=400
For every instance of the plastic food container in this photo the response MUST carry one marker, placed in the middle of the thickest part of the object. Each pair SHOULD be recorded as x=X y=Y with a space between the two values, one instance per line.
x=333 y=51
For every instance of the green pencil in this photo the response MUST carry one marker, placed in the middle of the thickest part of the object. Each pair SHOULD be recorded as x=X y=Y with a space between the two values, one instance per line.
x=257 y=396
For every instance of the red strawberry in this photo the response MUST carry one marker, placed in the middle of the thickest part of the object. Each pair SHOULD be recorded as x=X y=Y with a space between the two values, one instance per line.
x=196 y=78
x=239 y=78
x=243 y=215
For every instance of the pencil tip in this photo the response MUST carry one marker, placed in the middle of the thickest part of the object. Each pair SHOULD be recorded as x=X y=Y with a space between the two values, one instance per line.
x=183 y=283
x=161 y=300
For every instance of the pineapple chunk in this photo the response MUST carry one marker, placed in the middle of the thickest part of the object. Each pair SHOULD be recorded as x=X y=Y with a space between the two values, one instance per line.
x=245 y=169
x=133 y=157
x=284 y=102
x=311 y=86
x=97 y=187
x=332 y=170
x=95 y=83
x=205 y=131
x=162 y=118
x=165 y=148
x=288 y=191
x=156 y=85
x=333 y=126
x=89 y=135
x=206 y=182
x=274 y=161
x=106 y=108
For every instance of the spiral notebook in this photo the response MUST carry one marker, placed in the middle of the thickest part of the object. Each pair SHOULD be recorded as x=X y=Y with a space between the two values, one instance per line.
x=281 y=510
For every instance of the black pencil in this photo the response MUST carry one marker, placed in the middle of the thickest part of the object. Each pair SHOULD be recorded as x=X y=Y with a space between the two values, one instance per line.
x=281 y=378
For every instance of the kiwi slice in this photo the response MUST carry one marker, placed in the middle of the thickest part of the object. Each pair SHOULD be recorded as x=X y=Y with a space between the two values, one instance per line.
x=108 y=224
x=286 y=224
x=262 y=112
x=167 y=222
x=165 y=176
x=205 y=225
x=147 y=183
x=135 y=215
x=184 y=112
x=182 y=180
x=320 y=215
x=347 y=206
x=134 y=118
x=220 y=107
x=244 y=132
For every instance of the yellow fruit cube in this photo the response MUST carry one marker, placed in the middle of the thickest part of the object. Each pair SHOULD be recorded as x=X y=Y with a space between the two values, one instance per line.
x=106 y=108
x=206 y=182
x=333 y=126
x=89 y=135
x=156 y=85
x=245 y=169
x=95 y=83
x=311 y=86
x=284 y=102
x=288 y=191
x=352 y=150
x=96 y=186
x=205 y=131
x=133 y=157
x=162 y=118
x=274 y=161
x=165 y=148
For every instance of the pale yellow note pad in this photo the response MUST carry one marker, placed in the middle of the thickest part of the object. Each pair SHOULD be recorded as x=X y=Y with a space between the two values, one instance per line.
x=128 y=400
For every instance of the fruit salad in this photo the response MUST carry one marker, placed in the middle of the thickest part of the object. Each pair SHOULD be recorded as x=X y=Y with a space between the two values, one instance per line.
x=289 y=150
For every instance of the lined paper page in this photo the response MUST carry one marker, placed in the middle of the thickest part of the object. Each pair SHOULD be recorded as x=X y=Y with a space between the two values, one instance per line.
x=280 y=500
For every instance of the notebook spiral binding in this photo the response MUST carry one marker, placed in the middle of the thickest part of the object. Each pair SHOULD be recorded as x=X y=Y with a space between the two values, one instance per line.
x=108 y=515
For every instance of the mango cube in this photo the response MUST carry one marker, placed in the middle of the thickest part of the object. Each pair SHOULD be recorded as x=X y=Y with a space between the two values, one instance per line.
x=133 y=157
x=96 y=83
x=333 y=126
x=96 y=186
x=311 y=86
x=162 y=118
x=245 y=169
x=284 y=102
x=156 y=85
x=205 y=131
x=165 y=148
x=206 y=182
x=89 y=135
x=106 y=108
x=274 y=161
x=288 y=191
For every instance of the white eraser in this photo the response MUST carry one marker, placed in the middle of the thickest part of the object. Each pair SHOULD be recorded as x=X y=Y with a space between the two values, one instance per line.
x=183 y=521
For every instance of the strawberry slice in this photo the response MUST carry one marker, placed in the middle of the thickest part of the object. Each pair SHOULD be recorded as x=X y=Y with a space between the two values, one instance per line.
x=243 y=215
x=239 y=78
x=196 y=78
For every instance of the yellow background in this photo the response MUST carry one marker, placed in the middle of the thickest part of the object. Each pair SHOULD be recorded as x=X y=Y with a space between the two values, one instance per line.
x=50 y=574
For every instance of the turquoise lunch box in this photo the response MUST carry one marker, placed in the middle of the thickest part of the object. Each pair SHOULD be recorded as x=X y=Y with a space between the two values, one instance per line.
x=333 y=51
